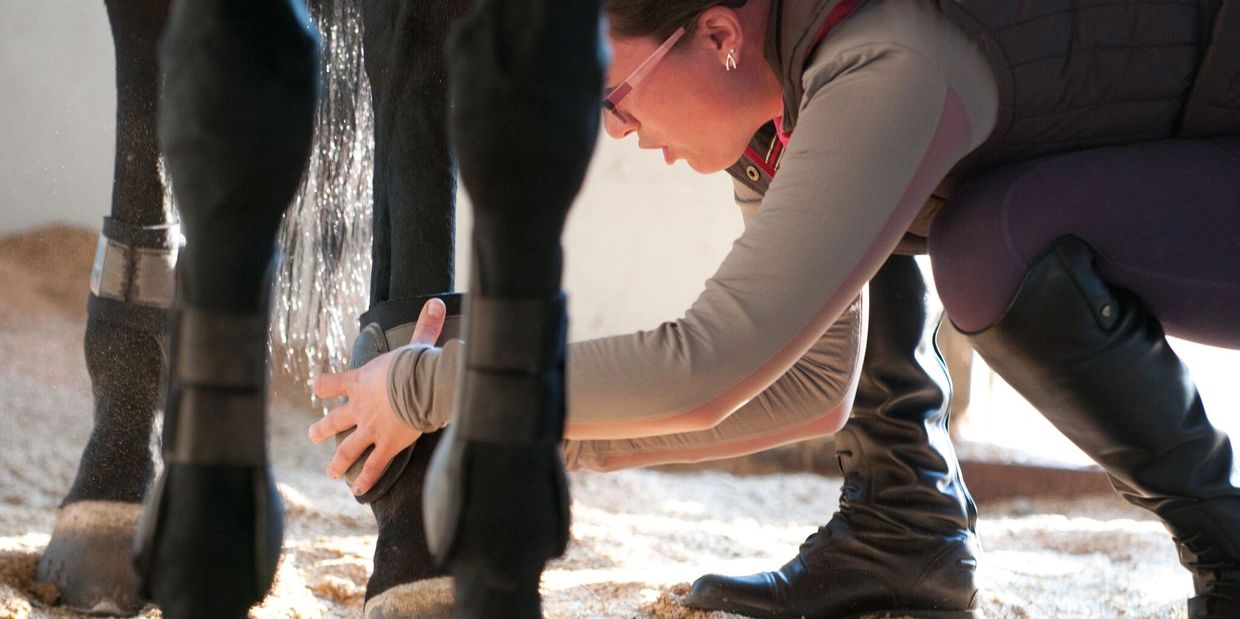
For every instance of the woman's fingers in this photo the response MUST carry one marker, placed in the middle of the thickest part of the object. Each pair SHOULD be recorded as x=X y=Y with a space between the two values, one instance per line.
x=376 y=463
x=430 y=323
x=338 y=420
x=367 y=409
x=347 y=453
x=329 y=385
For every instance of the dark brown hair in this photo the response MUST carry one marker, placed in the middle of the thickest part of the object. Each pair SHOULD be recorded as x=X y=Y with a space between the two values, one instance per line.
x=658 y=19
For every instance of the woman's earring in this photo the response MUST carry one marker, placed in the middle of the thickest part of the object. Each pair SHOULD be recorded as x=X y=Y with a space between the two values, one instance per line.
x=730 y=62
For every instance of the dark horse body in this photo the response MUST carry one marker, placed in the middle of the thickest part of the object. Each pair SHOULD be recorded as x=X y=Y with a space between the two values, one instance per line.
x=126 y=345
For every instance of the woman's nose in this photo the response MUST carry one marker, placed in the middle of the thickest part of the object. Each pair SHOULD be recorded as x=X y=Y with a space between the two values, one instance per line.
x=617 y=128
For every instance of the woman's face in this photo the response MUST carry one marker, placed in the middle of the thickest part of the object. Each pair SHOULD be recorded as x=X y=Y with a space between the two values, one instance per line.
x=688 y=106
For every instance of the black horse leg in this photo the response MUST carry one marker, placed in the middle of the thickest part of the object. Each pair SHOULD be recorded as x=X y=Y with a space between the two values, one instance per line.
x=236 y=118
x=131 y=289
x=414 y=178
x=526 y=80
x=412 y=253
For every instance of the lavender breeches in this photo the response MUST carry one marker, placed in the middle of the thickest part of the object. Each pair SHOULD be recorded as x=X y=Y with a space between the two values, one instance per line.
x=1163 y=217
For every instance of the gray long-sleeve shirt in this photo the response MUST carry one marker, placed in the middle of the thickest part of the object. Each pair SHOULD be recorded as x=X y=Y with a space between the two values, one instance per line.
x=893 y=98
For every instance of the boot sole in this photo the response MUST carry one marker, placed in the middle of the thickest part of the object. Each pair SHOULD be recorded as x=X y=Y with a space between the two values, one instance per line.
x=917 y=614
x=868 y=614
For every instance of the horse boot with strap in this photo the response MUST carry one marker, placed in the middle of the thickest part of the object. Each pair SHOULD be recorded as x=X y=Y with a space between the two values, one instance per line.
x=525 y=82
x=903 y=541
x=236 y=120
x=1097 y=365
x=217 y=485
x=501 y=464
x=404 y=569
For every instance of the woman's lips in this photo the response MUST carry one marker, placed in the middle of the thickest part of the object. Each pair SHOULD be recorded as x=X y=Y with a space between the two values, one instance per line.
x=668 y=156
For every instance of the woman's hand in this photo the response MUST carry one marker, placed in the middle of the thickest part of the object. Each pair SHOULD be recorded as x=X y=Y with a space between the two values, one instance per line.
x=368 y=409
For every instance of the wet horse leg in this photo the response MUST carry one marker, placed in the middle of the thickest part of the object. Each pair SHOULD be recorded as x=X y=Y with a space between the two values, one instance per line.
x=131 y=290
x=414 y=176
x=412 y=256
x=525 y=84
x=236 y=120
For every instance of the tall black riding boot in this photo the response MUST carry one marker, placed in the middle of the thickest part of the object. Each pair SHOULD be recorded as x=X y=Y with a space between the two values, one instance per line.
x=1098 y=367
x=902 y=541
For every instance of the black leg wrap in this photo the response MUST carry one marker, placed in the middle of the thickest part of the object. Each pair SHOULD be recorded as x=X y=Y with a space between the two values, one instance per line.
x=209 y=539
x=496 y=503
x=1098 y=367
x=211 y=534
x=501 y=512
x=511 y=370
x=236 y=119
x=107 y=313
x=525 y=78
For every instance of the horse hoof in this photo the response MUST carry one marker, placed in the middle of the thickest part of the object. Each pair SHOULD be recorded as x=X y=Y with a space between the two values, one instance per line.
x=90 y=558
x=427 y=599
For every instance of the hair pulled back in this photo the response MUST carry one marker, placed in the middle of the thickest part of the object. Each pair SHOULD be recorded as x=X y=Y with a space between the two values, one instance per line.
x=658 y=19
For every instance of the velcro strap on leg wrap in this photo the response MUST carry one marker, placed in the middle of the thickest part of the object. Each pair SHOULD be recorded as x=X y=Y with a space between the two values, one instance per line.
x=512 y=390
x=136 y=264
x=218 y=426
x=500 y=404
x=217 y=408
x=221 y=350
x=369 y=343
x=516 y=335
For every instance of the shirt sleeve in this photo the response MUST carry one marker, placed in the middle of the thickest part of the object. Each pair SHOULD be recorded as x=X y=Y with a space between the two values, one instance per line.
x=811 y=399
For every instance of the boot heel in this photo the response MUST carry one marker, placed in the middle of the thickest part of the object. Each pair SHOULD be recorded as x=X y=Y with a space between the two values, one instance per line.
x=924 y=614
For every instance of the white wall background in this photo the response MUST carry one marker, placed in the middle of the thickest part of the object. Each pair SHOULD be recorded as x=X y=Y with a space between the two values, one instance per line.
x=57 y=109
x=639 y=244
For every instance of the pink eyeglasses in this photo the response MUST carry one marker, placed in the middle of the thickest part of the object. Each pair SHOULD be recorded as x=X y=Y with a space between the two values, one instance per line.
x=624 y=88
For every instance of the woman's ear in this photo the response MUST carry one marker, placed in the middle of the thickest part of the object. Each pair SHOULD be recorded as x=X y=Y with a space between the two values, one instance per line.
x=719 y=29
